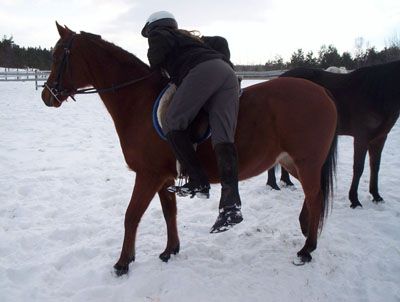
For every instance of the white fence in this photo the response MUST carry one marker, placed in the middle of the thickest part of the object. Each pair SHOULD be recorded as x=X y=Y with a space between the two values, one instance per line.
x=259 y=75
x=39 y=76
x=22 y=75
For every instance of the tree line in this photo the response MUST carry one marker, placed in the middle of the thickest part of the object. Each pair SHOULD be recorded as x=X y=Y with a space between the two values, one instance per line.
x=14 y=56
x=329 y=56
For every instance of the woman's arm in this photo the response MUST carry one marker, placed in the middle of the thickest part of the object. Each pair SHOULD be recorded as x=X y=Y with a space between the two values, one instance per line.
x=161 y=43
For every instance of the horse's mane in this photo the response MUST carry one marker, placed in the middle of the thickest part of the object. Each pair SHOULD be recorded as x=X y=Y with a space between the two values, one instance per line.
x=117 y=52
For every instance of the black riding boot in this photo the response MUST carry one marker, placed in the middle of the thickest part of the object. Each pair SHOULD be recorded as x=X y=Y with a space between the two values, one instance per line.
x=229 y=204
x=184 y=152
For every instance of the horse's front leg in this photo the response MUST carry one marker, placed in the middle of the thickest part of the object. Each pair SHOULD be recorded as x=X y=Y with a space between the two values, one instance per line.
x=375 y=151
x=146 y=186
x=360 y=151
x=168 y=203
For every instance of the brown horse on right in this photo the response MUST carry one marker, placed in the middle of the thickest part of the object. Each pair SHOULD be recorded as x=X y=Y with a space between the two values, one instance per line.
x=368 y=104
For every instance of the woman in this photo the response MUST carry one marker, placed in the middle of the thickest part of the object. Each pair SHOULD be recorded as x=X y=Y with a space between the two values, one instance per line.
x=205 y=79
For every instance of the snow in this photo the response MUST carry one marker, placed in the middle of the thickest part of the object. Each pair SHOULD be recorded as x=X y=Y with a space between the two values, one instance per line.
x=64 y=188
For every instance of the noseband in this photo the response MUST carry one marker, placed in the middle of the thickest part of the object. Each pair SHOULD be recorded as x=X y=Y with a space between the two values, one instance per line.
x=58 y=90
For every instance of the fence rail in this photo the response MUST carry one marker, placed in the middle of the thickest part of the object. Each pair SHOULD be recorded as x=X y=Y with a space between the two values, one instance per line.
x=23 y=75
x=259 y=75
x=39 y=76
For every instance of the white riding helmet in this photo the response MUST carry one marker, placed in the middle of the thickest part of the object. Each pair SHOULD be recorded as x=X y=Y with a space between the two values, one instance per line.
x=158 y=19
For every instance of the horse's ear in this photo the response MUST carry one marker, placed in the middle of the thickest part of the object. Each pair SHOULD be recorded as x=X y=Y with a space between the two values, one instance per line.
x=66 y=27
x=61 y=30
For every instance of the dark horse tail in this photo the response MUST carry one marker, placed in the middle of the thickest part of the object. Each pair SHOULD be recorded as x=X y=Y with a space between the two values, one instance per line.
x=328 y=175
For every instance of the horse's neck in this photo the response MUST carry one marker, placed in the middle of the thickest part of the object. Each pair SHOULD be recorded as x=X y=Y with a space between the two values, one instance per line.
x=127 y=106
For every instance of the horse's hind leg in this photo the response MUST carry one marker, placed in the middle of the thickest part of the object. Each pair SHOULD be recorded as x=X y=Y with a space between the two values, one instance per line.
x=271 y=181
x=310 y=178
x=168 y=203
x=375 y=151
x=303 y=219
x=285 y=177
x=360 y=151
x=146 y=186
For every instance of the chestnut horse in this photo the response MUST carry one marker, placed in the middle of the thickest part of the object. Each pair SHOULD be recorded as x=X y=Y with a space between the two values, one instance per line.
x=290 y=121
x=368 y=104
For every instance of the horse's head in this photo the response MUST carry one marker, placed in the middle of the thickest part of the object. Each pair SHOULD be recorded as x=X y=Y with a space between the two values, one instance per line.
x=66 y=69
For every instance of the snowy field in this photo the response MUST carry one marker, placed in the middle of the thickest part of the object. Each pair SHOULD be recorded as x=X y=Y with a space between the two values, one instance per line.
x=64 y=188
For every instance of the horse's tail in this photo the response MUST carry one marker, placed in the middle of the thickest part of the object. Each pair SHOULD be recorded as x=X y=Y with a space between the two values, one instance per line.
x=328 y=175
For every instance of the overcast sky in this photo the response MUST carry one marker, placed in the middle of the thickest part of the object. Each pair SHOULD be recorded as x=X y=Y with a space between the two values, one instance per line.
x=256 y=30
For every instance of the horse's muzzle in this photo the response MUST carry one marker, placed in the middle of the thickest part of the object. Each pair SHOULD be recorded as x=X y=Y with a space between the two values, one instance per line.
x=50 y=98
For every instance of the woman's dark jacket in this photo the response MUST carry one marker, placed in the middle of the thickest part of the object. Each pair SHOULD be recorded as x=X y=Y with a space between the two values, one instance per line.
x=177 y=52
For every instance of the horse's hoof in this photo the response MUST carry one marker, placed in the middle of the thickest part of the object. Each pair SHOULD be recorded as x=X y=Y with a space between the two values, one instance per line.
x=121 y=270
x=355 y=204
x=166 y=255
x=287 y=183
x=300 y=261
x=302 y=258
x=377 y=199
x=274 y=186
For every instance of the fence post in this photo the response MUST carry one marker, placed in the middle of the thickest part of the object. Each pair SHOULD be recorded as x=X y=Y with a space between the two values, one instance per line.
x=36 y=79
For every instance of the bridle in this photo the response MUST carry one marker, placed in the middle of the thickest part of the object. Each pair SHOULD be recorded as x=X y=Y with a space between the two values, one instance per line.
x=58 y=90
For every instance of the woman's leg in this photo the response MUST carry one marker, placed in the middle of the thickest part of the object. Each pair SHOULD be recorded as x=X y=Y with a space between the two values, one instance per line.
x=193 y=93
x=223 y=110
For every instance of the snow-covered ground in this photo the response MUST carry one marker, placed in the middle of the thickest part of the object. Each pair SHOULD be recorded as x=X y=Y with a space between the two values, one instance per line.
x=64 y=188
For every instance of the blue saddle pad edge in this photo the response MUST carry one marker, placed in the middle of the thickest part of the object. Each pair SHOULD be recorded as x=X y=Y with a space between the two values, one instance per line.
x=156 y=123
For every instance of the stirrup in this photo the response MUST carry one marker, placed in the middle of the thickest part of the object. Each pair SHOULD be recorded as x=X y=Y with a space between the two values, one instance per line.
x=202 y=191
x=227 y=218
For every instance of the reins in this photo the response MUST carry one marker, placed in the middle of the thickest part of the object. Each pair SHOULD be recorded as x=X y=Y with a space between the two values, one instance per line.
x=113 y=88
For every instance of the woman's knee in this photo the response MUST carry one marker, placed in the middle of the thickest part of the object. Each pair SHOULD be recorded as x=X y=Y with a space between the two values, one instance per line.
x=173 y=123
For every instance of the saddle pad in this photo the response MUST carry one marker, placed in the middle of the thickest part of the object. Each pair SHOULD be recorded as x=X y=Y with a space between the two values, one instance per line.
x=160 y=108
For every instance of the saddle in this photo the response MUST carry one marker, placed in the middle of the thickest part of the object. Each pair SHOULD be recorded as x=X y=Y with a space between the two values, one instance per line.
x=199 y=130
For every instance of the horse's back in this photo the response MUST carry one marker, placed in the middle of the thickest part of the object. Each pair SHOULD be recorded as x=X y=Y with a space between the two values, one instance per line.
x=287 y=98
x=289 y=115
